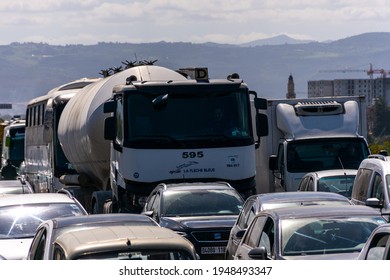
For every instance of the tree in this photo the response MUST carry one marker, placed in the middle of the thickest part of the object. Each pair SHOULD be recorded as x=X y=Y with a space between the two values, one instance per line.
x=381 y=116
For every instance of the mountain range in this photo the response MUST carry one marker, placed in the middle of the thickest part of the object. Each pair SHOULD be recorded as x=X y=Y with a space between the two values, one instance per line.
x=29 y=70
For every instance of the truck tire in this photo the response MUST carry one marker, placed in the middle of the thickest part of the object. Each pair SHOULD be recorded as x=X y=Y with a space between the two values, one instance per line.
x=98 y=201
x=107 y=207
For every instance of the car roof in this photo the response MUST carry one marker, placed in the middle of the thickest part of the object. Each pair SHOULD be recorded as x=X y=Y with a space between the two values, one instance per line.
x=6 y=183
x=100 y=239
x=323 y=211
x=15 y=187
x=385 y=226
x=299 y=196
x=332 y=172
x=92 y=219
x=377 y=162
x=34 y=198
x=197 y=186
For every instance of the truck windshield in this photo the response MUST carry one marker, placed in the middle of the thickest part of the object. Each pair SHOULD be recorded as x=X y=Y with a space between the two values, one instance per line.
x=340 y=153
x=188 y=120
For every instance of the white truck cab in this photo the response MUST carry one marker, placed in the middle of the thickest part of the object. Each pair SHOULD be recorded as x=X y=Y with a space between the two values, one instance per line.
x=308 y=135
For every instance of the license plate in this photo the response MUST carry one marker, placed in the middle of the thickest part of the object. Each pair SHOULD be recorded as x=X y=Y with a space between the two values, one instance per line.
x=212 y=250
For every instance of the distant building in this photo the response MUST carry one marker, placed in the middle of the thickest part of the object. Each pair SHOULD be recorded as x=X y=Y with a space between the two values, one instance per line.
x=290 y=88
x=370 y=88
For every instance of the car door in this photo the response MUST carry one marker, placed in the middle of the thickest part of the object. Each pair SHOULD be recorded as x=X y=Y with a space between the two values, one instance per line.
x=39 y=245
x=303 y=185
x=378 y=247
x=246 y=216
x=251 y=238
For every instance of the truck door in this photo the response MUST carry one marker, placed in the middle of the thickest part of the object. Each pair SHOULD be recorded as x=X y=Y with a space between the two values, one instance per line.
x=279 y=174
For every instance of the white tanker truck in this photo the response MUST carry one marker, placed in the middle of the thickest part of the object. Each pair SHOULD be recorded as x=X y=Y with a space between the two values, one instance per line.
x=125 y=133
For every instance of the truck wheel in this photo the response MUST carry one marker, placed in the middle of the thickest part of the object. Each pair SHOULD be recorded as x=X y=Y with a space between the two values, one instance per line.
x=99 y=199
x=107 y=207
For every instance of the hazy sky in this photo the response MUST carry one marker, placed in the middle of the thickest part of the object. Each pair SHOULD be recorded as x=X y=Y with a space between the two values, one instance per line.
x=61 y=22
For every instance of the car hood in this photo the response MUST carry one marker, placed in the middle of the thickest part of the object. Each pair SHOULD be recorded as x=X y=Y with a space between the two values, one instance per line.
x=15 y=249
x=201 y=222
x=340 y=256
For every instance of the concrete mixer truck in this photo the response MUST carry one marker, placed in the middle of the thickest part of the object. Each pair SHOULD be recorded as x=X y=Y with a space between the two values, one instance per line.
x=114 y=139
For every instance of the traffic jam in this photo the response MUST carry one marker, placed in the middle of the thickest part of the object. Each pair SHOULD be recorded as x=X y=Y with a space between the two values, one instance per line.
x=150 y=163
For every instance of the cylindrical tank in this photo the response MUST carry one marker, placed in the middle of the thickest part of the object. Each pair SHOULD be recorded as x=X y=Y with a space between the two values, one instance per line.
x=81 y=126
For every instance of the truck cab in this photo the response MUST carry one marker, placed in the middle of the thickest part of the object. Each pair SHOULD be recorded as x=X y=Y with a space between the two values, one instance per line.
x=311 y=135
x=186 y=130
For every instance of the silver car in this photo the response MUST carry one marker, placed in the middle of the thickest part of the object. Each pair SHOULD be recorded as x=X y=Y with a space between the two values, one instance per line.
x=20 y=215
x=42 y=245
x=377 y=246
x=338 y=181
x=259 y=202
x=320 y=232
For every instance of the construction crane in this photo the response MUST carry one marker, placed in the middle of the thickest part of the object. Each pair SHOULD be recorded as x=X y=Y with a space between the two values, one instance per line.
x=370 y=72
x=382 y=72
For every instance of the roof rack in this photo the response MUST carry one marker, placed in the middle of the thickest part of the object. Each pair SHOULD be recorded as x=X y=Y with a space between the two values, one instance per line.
x=66 y=192
x=379 y=156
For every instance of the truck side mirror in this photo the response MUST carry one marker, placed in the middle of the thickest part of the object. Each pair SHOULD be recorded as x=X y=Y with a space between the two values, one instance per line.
x=260 y=103
x=109 y=128
x=109 y=106
x=273 y=162
x=261 y=125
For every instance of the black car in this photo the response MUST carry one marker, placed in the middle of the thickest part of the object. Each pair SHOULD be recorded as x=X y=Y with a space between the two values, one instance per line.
x=204 y=213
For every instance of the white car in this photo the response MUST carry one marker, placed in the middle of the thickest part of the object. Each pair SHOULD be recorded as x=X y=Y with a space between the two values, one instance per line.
x=371 y=186
x=335 y=180
x=17 y=186
x=20 y=215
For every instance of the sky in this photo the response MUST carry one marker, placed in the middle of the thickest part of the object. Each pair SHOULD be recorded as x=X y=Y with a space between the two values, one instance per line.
x=88 y=22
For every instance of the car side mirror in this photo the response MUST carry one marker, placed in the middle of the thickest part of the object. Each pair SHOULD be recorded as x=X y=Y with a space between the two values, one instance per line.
x=373 y=202
x=258 y=253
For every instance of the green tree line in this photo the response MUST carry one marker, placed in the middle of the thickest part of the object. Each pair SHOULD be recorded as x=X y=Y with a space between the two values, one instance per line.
x=379 y=138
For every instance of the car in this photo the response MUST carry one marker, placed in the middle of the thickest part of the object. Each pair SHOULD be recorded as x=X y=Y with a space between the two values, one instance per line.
x=17 y=186
x=204 y=213
x=20 y=215
x=318 y=232
x=334 y=180
x=377 y=246
x=371 y=185
x=42 y=245
x=259 y=202
x=123 y=243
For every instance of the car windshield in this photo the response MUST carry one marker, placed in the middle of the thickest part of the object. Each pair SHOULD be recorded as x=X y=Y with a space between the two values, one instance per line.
x=138 y=255
x=201 y=203
x=307 y=156
x=337 y=184
x=326 y=235
x=21 y=221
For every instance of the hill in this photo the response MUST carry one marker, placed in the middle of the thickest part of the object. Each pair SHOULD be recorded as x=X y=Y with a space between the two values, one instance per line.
x=28 y=70
x=277 y=40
